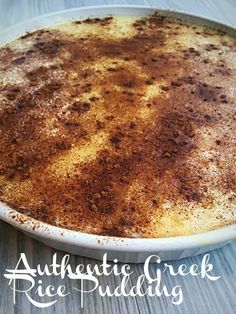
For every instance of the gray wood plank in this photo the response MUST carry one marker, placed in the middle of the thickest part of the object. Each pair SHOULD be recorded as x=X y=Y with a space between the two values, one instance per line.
x=13 y=11
x=200 y=296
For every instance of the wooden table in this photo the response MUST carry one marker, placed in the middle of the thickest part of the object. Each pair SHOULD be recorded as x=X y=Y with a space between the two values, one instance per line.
x=200 y=296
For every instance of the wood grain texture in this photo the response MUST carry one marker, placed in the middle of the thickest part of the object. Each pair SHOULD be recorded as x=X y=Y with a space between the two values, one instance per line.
x=200 y=296
x=14 y=11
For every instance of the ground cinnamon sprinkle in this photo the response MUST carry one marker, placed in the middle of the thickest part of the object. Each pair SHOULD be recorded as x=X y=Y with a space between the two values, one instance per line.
x=120 y=126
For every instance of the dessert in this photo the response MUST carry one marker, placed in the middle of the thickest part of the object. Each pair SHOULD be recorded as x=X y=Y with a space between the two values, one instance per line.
x=120 y=126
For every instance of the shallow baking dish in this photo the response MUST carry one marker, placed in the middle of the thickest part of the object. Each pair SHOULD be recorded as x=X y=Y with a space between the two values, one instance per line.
x=124 y=249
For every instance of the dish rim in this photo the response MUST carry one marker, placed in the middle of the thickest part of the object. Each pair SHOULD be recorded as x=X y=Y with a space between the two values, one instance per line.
x=40 y=229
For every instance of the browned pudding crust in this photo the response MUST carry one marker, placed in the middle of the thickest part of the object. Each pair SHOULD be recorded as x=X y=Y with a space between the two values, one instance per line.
x=120 y=126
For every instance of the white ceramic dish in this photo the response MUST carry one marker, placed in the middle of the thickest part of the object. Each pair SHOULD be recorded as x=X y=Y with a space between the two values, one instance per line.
x=124 y=249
